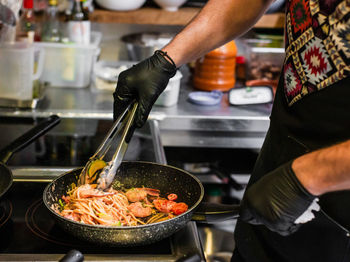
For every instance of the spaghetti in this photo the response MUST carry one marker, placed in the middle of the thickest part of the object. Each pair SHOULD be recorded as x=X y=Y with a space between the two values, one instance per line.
x=136 y=206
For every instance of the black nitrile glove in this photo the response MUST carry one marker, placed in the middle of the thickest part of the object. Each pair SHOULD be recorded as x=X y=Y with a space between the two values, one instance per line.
x=144 y=82
x=278 y=201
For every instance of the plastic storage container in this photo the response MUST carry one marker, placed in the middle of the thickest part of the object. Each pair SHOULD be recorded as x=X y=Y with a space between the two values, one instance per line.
x=170 y=95
x=17 y=66
x=70 y=65
x=106 y=73
x=264 y=58
x=142 y=45
x=265 y=63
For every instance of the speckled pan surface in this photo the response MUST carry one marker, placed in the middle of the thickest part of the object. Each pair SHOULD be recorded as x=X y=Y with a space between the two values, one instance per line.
x=132 y=174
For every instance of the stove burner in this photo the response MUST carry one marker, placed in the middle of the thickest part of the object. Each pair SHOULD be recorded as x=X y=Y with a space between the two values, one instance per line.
x=40 y=222
x=5 y=211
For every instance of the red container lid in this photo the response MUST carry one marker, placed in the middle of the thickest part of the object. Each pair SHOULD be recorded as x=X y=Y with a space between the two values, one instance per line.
x=28 y=4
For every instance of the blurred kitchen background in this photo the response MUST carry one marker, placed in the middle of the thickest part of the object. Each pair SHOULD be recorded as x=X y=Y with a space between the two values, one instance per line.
x=63 y=57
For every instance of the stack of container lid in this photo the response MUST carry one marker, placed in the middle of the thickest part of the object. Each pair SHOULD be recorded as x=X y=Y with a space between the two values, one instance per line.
x=216 y=70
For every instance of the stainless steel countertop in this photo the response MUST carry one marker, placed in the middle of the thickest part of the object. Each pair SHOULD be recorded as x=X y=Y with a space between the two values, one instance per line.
x=91 y=104
x=184 y=124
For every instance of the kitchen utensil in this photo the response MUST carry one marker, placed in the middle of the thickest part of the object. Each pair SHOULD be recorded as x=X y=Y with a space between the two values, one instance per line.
x=120 y=127
x=142 y=45
x=17 y=145
x=17 y=62
x=7 y=24
x=73 y=256
x=7 y=16
x=121 y=5
x=107 y=174
x=14 y=5
x=136 y=174
x=250 y=95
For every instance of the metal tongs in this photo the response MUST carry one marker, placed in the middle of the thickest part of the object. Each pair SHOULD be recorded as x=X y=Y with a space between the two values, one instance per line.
x=121 y=126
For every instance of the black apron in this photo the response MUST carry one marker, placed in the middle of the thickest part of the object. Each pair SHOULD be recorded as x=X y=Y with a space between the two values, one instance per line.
x=319 y=120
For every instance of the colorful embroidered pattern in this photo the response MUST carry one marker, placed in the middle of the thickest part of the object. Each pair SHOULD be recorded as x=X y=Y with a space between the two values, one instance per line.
x=315 y=61
x=317 y=46
x=341 y=36
x=300 y=15
x=292 y=83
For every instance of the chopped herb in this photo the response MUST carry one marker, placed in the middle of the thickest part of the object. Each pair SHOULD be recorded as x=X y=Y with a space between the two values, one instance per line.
x=118 y=224
x=61 y=203
x=117 y=185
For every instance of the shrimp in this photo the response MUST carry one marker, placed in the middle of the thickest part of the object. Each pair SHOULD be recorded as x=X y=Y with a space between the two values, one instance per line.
x=87 y=190
x=138 y=210
x=139 y=194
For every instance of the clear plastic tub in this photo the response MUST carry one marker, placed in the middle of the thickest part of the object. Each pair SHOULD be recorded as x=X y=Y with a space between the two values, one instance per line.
x=105 y=78
x=105 y=74
x=264 y=58
x=170 y=95
x=70 y=65
x=265 y=63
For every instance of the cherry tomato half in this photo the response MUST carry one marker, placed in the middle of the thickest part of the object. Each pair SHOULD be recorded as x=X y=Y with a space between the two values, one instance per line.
x=164 y=206
x=179 y=208
x=172 y=197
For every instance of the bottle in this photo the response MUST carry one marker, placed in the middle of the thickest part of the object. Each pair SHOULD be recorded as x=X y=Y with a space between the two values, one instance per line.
x=27 y=29
x=240 y=71
x=51 y=25
x=40 y=6
x=214 y=195
x=79 y=24
x=216 y=70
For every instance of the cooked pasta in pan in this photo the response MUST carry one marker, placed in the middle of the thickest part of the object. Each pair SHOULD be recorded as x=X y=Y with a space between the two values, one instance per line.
x=122 y=207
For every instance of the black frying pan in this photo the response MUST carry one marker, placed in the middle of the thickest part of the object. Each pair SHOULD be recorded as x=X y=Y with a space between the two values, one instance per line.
x=21 y=142
x=137 y=174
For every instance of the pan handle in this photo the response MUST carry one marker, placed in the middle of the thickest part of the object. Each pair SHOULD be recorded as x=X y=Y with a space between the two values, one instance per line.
x=73 y=256
x=213 y=212
x=190 y=258
x=28 y=137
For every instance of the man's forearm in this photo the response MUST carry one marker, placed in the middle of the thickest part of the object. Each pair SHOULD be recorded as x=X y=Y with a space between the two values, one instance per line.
x=324 y=170
x=218 y=22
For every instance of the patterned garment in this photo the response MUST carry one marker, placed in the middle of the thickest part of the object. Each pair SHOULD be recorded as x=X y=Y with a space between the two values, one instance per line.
x=317 y=46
